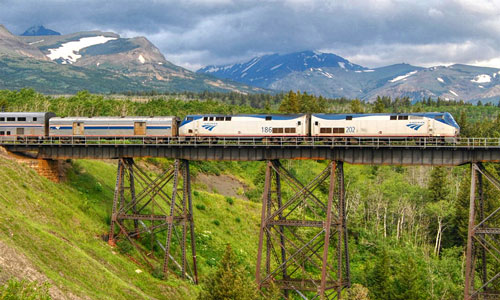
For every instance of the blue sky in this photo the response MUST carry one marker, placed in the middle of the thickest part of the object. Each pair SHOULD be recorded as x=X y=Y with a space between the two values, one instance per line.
x=195 y=33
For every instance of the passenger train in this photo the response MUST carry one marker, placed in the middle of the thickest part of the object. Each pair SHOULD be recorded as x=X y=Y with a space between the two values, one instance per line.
x=36 y=126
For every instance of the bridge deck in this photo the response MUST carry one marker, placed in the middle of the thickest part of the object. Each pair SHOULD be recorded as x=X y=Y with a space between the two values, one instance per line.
x=424 y=151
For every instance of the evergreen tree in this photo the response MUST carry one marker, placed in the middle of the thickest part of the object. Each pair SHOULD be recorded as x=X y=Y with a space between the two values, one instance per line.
x=290 y=103
x=379 y=106
x=229 y=281
x=379 y=279
x=438 y=189
x=409 y=283
x=356 y=106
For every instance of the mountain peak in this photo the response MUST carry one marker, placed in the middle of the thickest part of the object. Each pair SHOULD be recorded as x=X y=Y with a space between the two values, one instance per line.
x=39 y=30
x=261 y=71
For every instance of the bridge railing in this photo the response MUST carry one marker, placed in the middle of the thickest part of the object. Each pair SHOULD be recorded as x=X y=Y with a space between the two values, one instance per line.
x=258 y=142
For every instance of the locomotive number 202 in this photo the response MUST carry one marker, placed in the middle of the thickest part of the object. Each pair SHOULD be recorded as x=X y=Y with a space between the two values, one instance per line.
x=350 y=129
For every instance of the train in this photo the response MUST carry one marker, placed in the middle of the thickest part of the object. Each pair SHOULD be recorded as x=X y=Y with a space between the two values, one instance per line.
x=26 y=126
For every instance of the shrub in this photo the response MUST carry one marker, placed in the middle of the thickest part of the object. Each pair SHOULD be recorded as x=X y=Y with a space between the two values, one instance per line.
x=23 y=289
x=216 y=222
x=230 y=200
x=124 y=246
x=200 y=206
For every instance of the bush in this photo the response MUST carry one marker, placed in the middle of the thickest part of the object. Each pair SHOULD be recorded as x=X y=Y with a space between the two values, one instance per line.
x=158 y=273
x=124 y=246
x=230 y=200
x=200 y=206
x=238 y=220
x=216 y=222
x=23 y=289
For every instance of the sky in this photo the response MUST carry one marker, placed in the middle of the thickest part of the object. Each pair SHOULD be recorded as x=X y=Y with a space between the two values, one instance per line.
x=196 y=33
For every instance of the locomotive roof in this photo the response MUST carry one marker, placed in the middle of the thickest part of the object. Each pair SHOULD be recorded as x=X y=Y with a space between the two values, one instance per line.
x=246 y=115
x=127 y=118
x=24 y=114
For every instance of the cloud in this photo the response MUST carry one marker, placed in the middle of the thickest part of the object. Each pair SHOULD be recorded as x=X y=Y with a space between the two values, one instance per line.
x=194 y=33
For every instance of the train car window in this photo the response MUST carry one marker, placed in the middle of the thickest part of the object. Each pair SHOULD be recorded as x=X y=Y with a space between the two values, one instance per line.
x=211 y=118
x=205 y=118
x=8 y=132
x=2 y=119
x=394 y=117
x=316 y=123
x=190 y=131
x=299 y=123
x=338 y=130
x=11 y=119
x=402 y=117
x=189 y=118
x=348 y=118
x=20 y=131
x=277 y=130
x=438 y=117
x=269 y=118
x=289 y=130
x=21 y=119
x=35 y=119
x=219 y=118
x=325 y=130
x=228 y=118
x=2 y=132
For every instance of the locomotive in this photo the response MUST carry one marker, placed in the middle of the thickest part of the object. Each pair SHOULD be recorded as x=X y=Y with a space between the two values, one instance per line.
x=36 y=126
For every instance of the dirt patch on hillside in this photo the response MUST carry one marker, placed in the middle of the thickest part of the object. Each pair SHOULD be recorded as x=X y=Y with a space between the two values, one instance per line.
x=225 y=185
x=15 y=264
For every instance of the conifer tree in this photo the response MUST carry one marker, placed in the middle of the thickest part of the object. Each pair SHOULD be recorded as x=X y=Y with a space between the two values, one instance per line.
x=229 y=281
x=290 y=103
x=438 y=185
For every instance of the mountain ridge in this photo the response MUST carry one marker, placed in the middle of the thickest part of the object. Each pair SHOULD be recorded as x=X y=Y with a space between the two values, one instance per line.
x=339 y=77
x=101 y=62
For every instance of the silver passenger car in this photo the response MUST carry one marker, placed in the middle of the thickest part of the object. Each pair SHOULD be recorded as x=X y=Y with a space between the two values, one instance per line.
x=113 y=127
x=24 y=125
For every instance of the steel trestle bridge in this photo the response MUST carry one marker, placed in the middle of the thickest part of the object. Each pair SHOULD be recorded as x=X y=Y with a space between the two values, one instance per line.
x=307 y=256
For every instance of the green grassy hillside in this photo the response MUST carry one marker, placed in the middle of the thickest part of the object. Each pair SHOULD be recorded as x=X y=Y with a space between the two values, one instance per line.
x=58 y=228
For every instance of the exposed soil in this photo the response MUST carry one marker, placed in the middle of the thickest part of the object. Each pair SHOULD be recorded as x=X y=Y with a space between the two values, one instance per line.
x=225 y=185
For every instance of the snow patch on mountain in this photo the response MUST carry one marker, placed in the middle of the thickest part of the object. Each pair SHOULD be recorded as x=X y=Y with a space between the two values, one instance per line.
x=275 y=67
x=68 y=52
x=483 y=78
x=33 y=43
x=342 y=65
x=440 y=79
x=141 y=59
x=252 y=63
x=453 y=93
x=403 y=76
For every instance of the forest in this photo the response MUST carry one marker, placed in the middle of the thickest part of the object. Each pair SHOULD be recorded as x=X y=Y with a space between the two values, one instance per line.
x=407 y=226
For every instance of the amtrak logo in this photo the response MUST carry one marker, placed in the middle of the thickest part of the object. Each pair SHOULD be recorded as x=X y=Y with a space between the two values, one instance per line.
x=209 y=127
x=414 y=126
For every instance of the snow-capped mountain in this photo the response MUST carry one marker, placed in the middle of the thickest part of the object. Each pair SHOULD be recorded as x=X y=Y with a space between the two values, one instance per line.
x=262 y=71
x=330 y=75
x=99 y=58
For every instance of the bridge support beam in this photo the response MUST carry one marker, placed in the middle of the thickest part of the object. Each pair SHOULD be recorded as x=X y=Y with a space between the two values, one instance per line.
x=303 y=239
x=156 y=209
x=482 y=278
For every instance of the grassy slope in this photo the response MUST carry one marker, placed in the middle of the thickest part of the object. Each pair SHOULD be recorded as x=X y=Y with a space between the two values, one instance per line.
x=58 y=227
